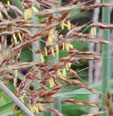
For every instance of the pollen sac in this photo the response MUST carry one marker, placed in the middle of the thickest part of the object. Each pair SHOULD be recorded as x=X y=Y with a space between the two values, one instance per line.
x=93 y=31
x=20 y=37
x=32 y=109
x=67 y=24
x=64 y=72
x=15 y=39
x=63 y=46
x=22 y=98
x=36 y=109
x=51 y=36
x=1 y=16
x=68 y=65
x=46 y=52
x=51 y=82
x=8 y=3
x=59 y=73
x=68 y=46
x=39 y=106
x=35 y=9
x=42 y=58
x=27 y=13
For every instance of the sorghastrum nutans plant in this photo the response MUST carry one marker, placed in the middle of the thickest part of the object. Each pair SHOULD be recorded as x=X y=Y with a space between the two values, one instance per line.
x=53 y=77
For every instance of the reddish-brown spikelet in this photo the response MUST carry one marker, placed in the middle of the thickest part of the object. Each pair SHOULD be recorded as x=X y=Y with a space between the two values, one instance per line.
x=93 y=6
x=56 y=112
x=82 y=103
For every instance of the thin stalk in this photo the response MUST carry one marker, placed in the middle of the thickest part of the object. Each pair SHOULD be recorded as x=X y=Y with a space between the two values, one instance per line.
x=92 y=63
x=106 y=61
x=16 y=91
x=36 y=57
x=57 y=104
x=15 y=99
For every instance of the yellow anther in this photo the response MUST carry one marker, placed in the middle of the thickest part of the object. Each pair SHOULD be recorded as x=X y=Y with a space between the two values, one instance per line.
x=53 y=53
x=69 y=25
x=68 y=65
x=51 y=82
x=16 y=73
x=59 y=73
x=36 y=109
x=10 y=66
x=93 y=31
x=67 y=47
x=8 y=3
x=20 y=37
x=51 y=32
x=46 y=52
x=15 y=79
x=70 y=46
x=22 y=99
x=42 y=58
x=65 y=25
x=64 y=72
x=35 y=9
x=1 y=17
x=62 y=25
x=50 y=40
x=30 y=13
x=57 y=48
x=63 y=46
x=51 y=36
x=27 y=13
x=40 y=106
x=22 y=1
x=15 y=39
x=32 y=109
